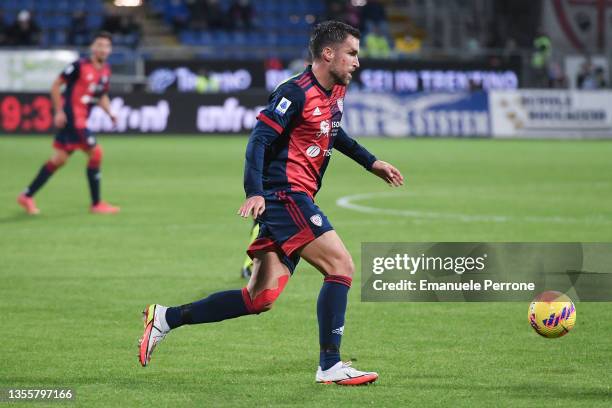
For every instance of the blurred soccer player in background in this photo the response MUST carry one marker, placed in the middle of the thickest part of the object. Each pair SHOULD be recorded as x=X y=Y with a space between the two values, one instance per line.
x=286 y=157
x=86 y=84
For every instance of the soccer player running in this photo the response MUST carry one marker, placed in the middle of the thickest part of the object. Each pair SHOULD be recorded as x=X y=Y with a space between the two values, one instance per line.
x=86 y=84
x=286 y=156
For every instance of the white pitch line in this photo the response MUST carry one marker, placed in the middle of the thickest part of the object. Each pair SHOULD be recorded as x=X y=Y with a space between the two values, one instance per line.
x=349 y=202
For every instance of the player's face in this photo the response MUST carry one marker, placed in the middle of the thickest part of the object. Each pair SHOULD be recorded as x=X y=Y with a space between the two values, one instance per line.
x=101 y=48
x=345 y=61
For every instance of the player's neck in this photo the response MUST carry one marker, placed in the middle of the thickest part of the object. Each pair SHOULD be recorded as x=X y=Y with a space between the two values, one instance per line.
x=323 y=76
x=96 y=63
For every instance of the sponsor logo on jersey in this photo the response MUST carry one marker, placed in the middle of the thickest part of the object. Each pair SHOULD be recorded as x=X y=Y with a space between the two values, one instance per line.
x=316 y=220
x=317 y=112
x=313 y=151
x=282 y=106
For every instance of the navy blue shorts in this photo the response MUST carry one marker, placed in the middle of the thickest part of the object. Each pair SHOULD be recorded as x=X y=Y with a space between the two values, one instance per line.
x=290 y=221
x=70 y=138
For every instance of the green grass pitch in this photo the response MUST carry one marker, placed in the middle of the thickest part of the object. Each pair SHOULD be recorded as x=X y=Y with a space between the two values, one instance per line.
x=73 y=285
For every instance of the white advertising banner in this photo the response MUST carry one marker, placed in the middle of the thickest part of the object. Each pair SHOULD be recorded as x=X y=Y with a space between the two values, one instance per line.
x=32 y=70
x=551 y=113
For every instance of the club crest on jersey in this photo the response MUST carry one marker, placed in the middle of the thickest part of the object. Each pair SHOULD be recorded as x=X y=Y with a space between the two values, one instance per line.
x=340 y=103
x=282 y=106
x=317 y=220
x=323 y=129
x=313 y=151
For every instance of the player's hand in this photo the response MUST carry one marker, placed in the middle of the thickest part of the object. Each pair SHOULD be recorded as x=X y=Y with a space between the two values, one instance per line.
x=59 y=119
x=388 y=173
x=113 y=119
x=254 y=205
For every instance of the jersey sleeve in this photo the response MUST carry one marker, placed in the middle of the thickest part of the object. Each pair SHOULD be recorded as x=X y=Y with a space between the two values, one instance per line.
x=71 y=72
x=285 y=104
x=349 y=147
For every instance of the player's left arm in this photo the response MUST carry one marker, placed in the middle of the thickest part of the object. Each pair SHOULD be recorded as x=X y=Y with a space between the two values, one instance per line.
x=104 y=103
x=349 y=147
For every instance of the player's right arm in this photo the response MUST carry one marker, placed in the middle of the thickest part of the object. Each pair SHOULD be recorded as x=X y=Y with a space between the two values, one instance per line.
x=70 y=73
x=285 y=104
x=59 y=119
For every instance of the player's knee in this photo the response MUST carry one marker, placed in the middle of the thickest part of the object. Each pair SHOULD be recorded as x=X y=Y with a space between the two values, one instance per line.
x=262 y=302
x=95 y=158
x=57 y=161
x=52 y=165
x=342 y=265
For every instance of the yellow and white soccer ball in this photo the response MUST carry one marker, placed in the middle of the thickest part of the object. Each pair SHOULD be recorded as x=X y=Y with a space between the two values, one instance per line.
x=552 y=314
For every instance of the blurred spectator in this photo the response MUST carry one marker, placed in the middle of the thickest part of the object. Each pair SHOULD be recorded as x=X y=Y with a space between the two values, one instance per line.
x=3 y=29
x=128 y=32
x=176 y=14
x=215 y=16
x=374 y=14
x=473 y=46
x=241 y=15
x=376 y=44
x=78 y=34
x=352 y=15
x=111 y=23
x=600 y=78
x=542 y=51
x=540 y=59
x=408 y=44
x=335 y=10
x=585 y=79
x=125 y=31
x=197 y=14
x=556 y=76
x=342 y=10
x=591 y=77
x=24 y=31
x=510 y=49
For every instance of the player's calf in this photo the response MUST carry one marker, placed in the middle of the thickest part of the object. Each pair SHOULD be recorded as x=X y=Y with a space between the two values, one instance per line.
x=44 y=174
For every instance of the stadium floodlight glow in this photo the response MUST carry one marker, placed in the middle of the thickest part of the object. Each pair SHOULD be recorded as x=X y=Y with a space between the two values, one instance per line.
x=128 y=3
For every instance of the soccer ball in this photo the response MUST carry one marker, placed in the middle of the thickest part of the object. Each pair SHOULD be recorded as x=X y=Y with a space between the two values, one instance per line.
x=552 y=314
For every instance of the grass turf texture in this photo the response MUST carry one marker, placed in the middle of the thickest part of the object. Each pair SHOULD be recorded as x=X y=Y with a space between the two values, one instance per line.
x=73 y=284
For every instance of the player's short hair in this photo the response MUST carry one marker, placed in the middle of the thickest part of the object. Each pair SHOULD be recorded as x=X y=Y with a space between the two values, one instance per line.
x=102 y=34
x=329 y=33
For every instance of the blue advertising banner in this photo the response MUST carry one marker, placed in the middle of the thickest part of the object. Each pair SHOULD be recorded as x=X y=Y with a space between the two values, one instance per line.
x=444 y=114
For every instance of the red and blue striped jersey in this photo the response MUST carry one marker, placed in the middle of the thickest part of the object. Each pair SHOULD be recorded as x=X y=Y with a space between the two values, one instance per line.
x=85 y=84
x=290 y=147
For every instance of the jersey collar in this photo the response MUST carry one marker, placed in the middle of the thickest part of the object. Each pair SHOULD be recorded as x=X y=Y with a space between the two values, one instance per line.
x=316 y=83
